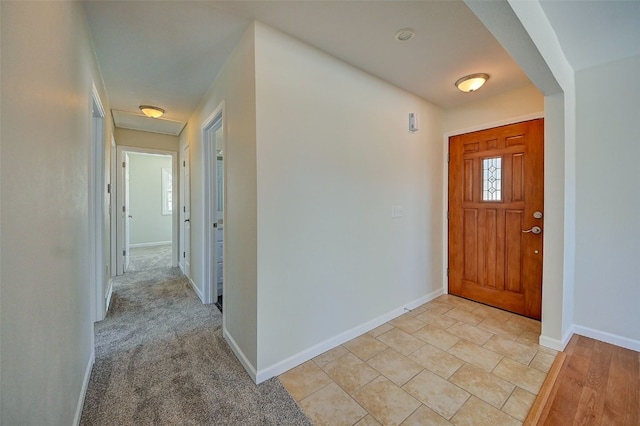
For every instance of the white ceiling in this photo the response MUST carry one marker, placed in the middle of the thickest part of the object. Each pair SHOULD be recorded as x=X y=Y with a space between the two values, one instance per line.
x=167 y=53
x=595 y=32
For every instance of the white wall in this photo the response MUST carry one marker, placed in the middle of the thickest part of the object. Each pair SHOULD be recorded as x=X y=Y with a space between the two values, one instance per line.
x=147 y=140
x=517 y=103
x=607 y=288
x=334 y=154
x=46 y=341
x=235 y=85
x=148 y=224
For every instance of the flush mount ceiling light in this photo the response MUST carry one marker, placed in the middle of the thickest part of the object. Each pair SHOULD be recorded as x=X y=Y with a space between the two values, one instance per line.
x=151 y=111
x=405 y=34
x=471 y=83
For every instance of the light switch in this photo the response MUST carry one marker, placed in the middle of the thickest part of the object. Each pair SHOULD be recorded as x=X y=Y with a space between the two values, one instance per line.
x=396 y=211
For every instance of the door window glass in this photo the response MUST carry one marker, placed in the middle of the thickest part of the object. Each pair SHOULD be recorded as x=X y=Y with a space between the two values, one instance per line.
x=492 y=179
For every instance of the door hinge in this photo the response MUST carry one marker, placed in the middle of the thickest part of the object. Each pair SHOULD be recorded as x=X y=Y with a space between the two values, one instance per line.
x=184 y=163
x=447 y=271
x=108 y=188
x=448 y=215
x=123 y=209
x=124 y=253
x=184 y=254
x=123 y=164
x=184 y=209
x=448 y=158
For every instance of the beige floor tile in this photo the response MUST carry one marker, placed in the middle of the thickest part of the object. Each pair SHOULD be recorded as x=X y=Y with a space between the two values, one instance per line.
x=465 y=316
x=437 y=337
x=332 y=406
x=529 y=337
x=461 y=303
x=304 y=379
x=485 y=386
x=498 y=326
x=435 y=319
x=401 y=341
x=439 y=307
x=350 y=372
x=368 y=421
x=519 y=404
x=388 y=403
x=436 y=393
x=491 y=312
x=436 y=360
x=415 y=311
x=476 y=355
x=526 y=324
x=542 y=361
x=395 y=366
x=425 y=416
x=329 y=356
x=520 y=375
x=478 y=413
x=365 y=346
x=380 y=330
x=407 y=323
x=510 y=348
x=470 y=333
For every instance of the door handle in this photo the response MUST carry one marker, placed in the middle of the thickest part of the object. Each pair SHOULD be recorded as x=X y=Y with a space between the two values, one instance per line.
x=535 y=230
x=130 y=217
x=187 y=220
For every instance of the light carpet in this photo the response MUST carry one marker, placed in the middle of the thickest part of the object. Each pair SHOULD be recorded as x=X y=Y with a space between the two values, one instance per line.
x=161 y=360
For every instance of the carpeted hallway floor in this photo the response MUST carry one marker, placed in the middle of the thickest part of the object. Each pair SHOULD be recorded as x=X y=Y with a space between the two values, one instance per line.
x=161 y=360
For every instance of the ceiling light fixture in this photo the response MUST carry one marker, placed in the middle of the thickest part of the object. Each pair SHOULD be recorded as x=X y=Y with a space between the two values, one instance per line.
x=472 y=82
x=405 y=34
x=151 y=111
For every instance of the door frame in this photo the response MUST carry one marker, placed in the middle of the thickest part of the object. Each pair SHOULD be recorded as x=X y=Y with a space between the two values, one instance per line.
x=121 y=150
x=97 y=190
x=445 y=186
x=209 y=205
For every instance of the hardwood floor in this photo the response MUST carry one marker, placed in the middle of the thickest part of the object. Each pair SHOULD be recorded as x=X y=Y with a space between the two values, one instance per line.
x=591 y=382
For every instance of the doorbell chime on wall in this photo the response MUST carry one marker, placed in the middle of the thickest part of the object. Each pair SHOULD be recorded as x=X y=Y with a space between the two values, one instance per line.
x=413 y=122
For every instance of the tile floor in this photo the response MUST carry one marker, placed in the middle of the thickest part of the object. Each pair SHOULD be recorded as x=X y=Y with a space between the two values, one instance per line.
x=449 y=361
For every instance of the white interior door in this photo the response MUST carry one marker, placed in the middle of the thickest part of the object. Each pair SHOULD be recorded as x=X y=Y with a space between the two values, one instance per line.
x=126 y=212
x=186 y=212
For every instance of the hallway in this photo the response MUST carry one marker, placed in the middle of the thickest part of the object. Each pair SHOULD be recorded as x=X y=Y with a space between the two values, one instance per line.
x=161 y=359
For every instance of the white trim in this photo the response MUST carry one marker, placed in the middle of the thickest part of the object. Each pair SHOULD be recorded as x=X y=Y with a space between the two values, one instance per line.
x=83 y=390
x=156 y=244
x=195 y=288
x=240 y=355
x=113 y=171
x=109 y=294
x=556 y=344
x=312 y=352
x=97 y=188
x=209 y=201
x=603 y=336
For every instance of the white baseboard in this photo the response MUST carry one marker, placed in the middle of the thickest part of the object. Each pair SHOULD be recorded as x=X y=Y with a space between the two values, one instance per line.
x=109 y=294
x=158 y=243
x=556 y=344
x=83 y=390
x=251 y=370
x=603 y=336
x=196 y=289
x=312 y=352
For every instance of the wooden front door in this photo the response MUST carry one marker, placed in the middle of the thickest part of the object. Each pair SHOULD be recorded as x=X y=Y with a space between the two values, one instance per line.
x=495 y=216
